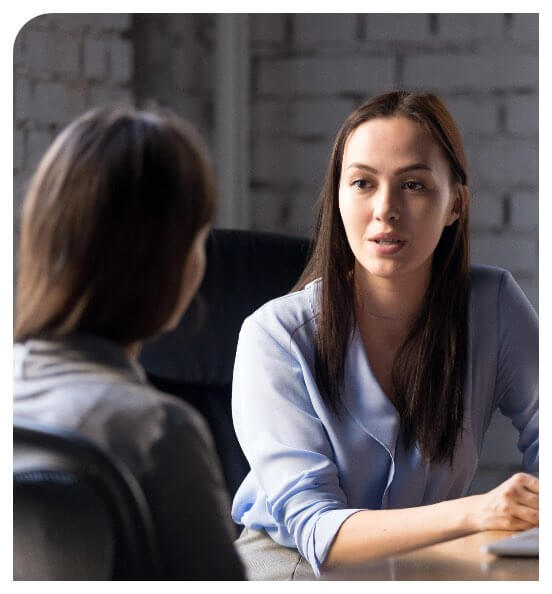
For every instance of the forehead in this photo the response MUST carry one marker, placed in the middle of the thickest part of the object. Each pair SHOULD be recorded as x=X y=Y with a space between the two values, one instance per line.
x=385 y=138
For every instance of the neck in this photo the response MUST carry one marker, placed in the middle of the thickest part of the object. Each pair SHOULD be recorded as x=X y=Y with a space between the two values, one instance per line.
x=395 y=301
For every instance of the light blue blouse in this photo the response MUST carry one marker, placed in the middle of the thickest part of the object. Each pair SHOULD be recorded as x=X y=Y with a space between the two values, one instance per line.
x=311 y=470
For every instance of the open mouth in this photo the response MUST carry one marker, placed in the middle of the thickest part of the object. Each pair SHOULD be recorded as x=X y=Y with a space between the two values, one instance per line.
x=387 y=241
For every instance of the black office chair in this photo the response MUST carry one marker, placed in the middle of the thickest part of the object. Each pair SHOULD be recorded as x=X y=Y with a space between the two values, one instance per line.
x=78 y=514
x=195 y=362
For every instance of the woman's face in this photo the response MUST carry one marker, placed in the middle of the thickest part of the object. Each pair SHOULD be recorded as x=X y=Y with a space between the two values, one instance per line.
x=395 y=197
x=194 y=270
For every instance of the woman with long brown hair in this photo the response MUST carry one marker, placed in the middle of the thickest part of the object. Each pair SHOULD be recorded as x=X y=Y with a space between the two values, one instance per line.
x=111 y=254
x=361 y=400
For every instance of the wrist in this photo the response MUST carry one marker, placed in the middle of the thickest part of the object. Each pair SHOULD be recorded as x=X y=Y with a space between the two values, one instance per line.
x=465 y=514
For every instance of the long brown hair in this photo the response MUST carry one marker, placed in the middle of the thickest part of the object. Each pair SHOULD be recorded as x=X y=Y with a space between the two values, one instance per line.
x=428 y=370
x=108 y=221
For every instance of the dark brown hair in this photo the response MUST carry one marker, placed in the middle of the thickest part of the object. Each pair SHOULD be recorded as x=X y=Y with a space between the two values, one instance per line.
x=428 y=371
x=108 y=221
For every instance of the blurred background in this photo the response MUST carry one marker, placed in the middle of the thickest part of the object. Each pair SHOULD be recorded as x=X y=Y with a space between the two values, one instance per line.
x=268 y=92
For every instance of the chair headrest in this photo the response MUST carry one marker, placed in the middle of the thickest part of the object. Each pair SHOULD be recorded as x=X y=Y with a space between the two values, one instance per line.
x=245 y=269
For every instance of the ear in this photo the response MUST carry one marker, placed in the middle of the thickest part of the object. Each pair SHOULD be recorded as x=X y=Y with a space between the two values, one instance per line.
x=461 y=196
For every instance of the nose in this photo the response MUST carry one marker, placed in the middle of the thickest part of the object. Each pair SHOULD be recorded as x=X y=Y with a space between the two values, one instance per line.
x=386 y=204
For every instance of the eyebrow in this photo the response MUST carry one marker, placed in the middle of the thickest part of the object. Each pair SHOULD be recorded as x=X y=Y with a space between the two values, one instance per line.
x=412 y=167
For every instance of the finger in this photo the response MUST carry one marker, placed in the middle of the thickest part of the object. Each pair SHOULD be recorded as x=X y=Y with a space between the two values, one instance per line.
x=517 y=524
x=528 y=499
x=527 y=481
x=532 y=484
x=525 y=514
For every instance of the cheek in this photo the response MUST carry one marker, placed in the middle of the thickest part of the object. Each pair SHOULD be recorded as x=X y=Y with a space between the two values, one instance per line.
x=196 y=268
x=201 y=265
x=351 y=214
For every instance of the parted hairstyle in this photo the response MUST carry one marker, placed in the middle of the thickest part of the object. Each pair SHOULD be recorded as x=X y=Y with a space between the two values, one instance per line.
x=107 y=225
x=429 y=368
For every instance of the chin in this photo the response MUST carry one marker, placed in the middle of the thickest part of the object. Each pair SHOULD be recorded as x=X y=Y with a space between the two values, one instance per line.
x=384 y=269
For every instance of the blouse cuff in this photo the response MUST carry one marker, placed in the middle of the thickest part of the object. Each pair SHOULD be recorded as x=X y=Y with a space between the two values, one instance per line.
x=325 y=531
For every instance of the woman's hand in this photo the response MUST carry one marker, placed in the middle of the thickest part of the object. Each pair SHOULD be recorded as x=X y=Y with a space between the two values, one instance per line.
x=513 y=505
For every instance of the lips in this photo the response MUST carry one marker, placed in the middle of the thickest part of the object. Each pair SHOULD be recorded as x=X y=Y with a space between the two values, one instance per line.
x=387 y=241
x=386 y=238
x=387 y=244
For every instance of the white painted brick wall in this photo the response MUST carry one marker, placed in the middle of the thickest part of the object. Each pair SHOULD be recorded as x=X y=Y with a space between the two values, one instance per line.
x=23 y=108
x=474 y=114
x=37 y=143
x=397 y=28
x=513 y=253
x=308 y=164
x=504 y=161
x=486 y=211
x=288 y=162
x=270 y=161
x=320 y=116
x=268 y=211
x=102 y=95
x=465 y=71
x=85 y=22
x=120 y=60
x=18 y=149
x=525 y=27
x=325 y=28
x=49 y=103
x=182 y=68
x=522 y=115
x=326 y=76
x=111 y=22
x=292 y=216
x=267 y=28
x=524 y=207
x=54 y=52
x=468 y=27
x=95 y=65
x=271 y=118
x=18 y=52
x=303 y=213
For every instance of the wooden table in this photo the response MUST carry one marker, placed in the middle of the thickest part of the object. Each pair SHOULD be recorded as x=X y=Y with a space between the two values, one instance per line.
x=458 y=559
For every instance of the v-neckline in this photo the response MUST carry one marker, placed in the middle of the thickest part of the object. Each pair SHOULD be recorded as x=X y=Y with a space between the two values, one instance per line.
x=365 y=398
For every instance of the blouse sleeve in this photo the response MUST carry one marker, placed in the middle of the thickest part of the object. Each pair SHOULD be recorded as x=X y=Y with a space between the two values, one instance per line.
x=518 y=359
x=284 y=439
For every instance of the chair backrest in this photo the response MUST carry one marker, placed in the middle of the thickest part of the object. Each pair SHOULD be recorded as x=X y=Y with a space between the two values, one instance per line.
x=245 y=269
x=78 y=514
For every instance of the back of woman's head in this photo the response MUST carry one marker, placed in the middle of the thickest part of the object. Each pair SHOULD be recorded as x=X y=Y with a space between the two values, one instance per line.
x=107 y=225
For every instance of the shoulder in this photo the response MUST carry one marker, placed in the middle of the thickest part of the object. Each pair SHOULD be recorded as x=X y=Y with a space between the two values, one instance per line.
x=485 y=277
x=142 y=405
x=488 y=284
x=491 y=284
x=287 y=314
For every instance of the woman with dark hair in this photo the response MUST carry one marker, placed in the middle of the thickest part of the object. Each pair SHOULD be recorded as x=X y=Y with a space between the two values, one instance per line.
x=111 y=254
x=361 y=400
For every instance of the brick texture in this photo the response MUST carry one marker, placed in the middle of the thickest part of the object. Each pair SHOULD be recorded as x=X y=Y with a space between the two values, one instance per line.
x=316 y=29
x=471 y=72
x=397 y=28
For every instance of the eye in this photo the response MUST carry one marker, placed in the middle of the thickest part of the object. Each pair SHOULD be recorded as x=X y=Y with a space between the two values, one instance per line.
x=414 y=186
x=360 y=183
